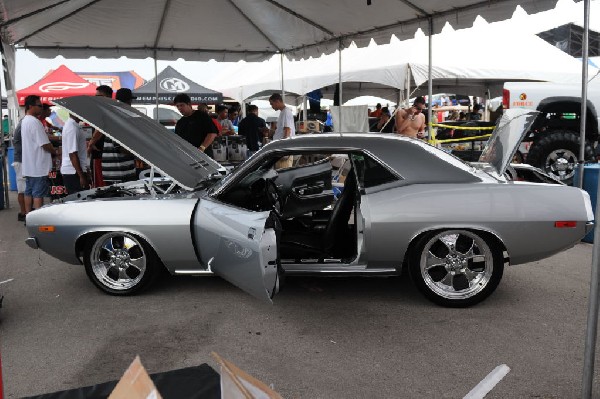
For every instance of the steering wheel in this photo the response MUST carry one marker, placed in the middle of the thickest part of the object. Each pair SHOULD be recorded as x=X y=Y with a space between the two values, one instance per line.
x=274 y=196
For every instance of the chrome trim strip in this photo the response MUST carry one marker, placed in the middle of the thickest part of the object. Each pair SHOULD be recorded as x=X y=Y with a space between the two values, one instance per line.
x=331 y=269
x=202 y=272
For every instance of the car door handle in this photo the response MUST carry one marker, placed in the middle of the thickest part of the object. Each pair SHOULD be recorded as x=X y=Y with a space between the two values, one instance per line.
x=251 y=233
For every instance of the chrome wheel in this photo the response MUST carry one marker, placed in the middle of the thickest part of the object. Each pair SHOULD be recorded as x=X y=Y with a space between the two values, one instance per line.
x=561 y=164
x=456 y=264
x=118 y=261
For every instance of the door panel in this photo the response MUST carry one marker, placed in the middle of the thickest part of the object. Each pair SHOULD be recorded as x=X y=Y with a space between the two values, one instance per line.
x=305 y=188
x=236 y=244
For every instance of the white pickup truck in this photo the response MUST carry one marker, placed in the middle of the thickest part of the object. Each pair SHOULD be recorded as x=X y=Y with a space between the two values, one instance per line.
x=552 y=143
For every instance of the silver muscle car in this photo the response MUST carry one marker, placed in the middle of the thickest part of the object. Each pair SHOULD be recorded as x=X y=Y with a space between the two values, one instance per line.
x=361 y=204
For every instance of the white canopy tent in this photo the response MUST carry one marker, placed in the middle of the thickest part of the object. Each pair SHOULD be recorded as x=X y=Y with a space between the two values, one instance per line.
x=383 y=70
x=231 y=30
x=227 y=31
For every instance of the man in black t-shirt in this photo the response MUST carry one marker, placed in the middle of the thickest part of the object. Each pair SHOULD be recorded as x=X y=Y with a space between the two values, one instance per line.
x=253 y=128
x=196 y=127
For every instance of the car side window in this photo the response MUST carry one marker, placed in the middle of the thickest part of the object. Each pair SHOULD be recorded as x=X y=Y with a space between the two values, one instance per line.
x=371 y=173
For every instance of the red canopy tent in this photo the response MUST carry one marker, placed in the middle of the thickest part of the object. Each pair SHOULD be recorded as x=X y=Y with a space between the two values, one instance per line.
x=59 y=83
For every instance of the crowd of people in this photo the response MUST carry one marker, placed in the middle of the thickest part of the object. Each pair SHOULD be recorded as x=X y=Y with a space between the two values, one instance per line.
x=37 y=152
x=200 y=129
x=411 y=121
x=101 y=161
x=408 y=122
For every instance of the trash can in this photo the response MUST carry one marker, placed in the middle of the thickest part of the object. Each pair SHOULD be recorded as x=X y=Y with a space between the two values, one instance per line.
x=12 y=175
x=590 y=184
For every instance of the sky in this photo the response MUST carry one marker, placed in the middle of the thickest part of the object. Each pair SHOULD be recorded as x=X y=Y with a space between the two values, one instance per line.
x=31 y=68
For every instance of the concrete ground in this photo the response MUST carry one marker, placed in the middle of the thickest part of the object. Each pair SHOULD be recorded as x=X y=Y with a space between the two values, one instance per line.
x=322 y=338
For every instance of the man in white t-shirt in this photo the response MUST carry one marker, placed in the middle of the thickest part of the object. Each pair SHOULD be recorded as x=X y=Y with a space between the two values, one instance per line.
x=36 y=154
x=285 y=126
x=74 y=156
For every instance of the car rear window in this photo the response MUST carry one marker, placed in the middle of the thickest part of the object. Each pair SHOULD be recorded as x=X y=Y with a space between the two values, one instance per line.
x=370 y=172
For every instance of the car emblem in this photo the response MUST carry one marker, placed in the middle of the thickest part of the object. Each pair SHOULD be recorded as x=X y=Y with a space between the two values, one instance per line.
x=174 y=85
x=523 y=97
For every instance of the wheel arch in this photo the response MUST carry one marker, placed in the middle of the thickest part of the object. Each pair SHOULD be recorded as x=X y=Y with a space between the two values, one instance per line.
x=487 y=233
x=84 y=237
x=571 y=105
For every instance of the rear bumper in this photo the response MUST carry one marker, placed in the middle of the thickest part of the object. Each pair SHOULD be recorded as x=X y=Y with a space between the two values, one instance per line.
x=589 y=226
x=32 y=242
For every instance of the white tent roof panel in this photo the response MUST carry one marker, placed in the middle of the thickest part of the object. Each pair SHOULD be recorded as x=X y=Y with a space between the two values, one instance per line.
x=230 y=30
x=462 y=60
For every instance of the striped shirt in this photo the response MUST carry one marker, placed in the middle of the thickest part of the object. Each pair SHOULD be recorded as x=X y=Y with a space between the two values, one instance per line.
x=117 y=167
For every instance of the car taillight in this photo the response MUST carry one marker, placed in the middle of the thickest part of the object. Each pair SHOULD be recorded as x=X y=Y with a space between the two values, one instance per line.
x=565 y=224
x=505 y=98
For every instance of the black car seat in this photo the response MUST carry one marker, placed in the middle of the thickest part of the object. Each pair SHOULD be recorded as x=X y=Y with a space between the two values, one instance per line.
x=337 y=226
x=296 y=244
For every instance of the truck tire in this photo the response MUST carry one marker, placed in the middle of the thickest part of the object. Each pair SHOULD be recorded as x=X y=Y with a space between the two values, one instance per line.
x=557 y=154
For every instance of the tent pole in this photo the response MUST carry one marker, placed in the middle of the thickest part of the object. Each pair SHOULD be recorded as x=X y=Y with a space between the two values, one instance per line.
x=281 y=68
x=584 y=79
x=304 y=111
x=12 y=105
x=151 y=182
x=4 y=151
x=407 y=97
x=430 y=85
x=156 y=84
x=340 y=83
x=592 y=318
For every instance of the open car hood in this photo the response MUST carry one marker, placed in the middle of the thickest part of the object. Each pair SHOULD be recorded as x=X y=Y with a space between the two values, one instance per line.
x=145 y=138
x=505 y=140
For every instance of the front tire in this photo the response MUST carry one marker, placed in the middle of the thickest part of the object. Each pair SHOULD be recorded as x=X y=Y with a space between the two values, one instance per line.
x=456 y=268
x=120 y=263
x=556 y=153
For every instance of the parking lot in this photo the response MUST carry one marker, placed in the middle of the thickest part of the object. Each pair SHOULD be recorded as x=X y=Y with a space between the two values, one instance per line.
x=322 y=338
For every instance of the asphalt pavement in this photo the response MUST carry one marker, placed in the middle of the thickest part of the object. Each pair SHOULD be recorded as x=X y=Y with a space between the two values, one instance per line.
x=322 y=338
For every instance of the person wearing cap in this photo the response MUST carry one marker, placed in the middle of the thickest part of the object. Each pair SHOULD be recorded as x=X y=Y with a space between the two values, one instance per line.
x=36 y=155
x=411 y=122
x=118 y=165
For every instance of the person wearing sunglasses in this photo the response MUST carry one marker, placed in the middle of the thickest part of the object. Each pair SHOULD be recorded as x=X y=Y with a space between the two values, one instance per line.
x=411 y=122
x=36 y=155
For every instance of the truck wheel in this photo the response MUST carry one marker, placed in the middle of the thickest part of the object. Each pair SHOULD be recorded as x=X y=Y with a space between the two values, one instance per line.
x=557 y=154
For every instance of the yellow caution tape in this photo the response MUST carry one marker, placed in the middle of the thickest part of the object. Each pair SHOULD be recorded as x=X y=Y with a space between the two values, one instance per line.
x=460 y=127
x=474 y=138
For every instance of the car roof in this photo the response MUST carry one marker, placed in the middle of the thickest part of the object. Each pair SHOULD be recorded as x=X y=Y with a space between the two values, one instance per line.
x=415 y=160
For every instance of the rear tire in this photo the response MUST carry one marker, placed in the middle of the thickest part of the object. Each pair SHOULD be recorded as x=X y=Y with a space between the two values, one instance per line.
x=456 y=268
x=557 y=154
x=120 y=263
